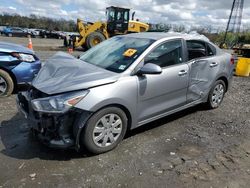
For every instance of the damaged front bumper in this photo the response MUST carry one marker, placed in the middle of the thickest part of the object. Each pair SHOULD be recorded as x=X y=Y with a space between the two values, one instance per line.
x=56 y=130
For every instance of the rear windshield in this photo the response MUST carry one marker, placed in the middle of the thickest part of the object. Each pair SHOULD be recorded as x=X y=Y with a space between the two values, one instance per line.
x=116 y=54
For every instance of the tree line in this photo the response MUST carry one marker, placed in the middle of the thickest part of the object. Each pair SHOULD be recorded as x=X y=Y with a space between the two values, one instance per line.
x=34 y=21
x=216 y=35
x=38 y=22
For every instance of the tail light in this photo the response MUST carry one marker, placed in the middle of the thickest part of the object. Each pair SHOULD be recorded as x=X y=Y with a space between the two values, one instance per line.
x=232 y=60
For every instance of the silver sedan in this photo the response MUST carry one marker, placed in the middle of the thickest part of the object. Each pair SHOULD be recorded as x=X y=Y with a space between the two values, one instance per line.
x=123 y=83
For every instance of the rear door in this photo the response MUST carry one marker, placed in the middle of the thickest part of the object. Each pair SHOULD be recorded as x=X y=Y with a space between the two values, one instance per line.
x=204 y=67
x=161 y=93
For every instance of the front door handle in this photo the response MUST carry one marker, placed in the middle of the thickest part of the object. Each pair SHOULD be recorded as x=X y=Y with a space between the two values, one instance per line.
x=182 y=72
x=214 y=64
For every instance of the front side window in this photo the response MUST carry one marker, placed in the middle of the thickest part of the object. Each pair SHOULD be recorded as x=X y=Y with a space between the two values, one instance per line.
x=116 y=54
x=16 y=30
x=166 y=54
x=111 y=15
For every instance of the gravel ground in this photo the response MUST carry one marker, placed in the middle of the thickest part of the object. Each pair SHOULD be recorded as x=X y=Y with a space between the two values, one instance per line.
x=44 y=48
x=192 y=148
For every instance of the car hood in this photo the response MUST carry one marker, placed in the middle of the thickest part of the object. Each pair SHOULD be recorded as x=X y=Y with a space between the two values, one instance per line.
x=10 y=47
x=64 y=73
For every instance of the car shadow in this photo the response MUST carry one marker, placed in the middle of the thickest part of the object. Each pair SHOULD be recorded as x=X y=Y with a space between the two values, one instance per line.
x=18 y=141
x=165 y=120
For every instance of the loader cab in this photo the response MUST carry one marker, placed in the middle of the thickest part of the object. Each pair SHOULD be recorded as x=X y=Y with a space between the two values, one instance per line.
x=117 y=20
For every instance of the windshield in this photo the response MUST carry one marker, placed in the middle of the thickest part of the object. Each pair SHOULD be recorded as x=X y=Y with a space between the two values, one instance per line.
x=116 y=54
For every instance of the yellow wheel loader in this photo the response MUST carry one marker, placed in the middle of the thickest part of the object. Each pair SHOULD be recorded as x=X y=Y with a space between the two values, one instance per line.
x=117 y=23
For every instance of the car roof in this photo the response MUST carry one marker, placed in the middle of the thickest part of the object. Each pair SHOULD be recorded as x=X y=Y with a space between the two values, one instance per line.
x=168 y=35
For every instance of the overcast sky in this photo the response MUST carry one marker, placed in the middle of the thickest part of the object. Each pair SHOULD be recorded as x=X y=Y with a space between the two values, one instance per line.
x=187 y=12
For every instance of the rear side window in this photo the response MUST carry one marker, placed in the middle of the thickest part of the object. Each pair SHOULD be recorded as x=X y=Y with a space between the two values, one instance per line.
x=211 y=50
x=126 y=15
x=198 y=49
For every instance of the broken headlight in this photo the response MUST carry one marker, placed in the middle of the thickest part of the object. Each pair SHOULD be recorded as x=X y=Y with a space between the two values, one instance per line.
x=58 y=103
x=24 y=57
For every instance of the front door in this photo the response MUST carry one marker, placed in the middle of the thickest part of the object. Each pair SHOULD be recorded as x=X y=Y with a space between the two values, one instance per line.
x=166 y=91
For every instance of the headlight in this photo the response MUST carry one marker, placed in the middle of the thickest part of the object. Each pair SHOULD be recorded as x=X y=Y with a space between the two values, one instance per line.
x=58 y=103
x=27 y=57
x=24 y=57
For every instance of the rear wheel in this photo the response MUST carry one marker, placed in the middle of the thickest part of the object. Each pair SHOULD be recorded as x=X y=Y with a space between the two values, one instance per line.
x=6 y=84
x=216 y=94
x=94 y=39
x=104 y=130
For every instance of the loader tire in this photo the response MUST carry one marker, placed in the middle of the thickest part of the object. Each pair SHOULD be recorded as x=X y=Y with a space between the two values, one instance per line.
x=94 y=39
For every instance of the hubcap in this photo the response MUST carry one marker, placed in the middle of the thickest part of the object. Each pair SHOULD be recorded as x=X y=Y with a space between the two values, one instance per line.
x=3 y=85
x=217 y=94
x=96 y=41
x=107 y=130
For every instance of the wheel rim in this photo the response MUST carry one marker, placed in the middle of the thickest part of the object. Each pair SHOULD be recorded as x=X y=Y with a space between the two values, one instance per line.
x=96 y=41
x=3 y=86
x=107 y=130
x=217 y=95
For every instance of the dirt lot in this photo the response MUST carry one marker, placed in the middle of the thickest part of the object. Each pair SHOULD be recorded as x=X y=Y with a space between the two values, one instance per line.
x=44 y=48
x=193 y=148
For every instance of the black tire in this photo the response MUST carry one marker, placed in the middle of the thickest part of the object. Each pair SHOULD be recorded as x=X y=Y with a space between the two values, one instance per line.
x=9 y=83
x=210 y=104
x=94 y=39
x=87 y=136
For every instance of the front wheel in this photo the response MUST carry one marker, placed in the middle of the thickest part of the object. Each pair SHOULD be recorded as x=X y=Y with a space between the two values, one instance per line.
x=216 y=94
x=94 y=38
x=104 y=130
x=6 y=84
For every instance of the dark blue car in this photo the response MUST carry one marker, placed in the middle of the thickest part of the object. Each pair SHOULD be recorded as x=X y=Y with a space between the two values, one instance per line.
x=16 y=32
x=18 y=66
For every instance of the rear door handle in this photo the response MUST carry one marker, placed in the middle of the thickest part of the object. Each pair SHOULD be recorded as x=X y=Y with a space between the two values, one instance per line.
x=214 y=64
x=182 y=72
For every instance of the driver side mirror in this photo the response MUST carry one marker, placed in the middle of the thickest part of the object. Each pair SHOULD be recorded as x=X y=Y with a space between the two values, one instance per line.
x=150 y=68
